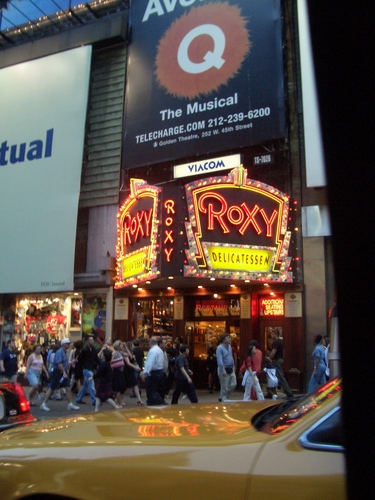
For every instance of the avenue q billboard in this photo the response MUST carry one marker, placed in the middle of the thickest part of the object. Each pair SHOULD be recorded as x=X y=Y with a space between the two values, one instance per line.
x=203 y=76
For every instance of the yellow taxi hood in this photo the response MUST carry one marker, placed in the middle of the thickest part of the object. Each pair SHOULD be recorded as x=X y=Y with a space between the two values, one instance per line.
x=195 y=425
x=141 y=452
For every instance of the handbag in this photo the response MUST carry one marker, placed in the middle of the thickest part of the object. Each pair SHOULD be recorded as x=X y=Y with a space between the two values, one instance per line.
x=229 y=370
x=118 y=363
x=272 y=380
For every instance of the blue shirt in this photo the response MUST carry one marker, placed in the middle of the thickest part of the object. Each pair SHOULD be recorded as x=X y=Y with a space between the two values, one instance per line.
x=319 y=352
x=224 y=356
x=61 y=357
x=10 y=362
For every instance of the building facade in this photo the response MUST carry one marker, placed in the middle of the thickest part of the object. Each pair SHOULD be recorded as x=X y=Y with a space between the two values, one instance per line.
x=193 y=214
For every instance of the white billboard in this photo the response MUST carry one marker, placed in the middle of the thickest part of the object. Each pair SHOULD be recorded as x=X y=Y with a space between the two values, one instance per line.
x=43 y=106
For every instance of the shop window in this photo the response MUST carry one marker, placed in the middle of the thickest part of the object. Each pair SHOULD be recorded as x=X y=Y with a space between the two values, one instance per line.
x=268 y=336
x=152 y=317
x=207 y=334
x=38 y=319
x=94 y=316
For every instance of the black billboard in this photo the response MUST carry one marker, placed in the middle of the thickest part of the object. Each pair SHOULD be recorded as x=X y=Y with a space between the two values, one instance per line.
x=203 y=76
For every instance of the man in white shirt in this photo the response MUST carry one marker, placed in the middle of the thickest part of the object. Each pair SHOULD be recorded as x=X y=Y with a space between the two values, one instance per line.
x=153 y=370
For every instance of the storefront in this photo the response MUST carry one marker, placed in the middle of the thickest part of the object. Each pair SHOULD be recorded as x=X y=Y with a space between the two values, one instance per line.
x=32 y=319
x=214 y=255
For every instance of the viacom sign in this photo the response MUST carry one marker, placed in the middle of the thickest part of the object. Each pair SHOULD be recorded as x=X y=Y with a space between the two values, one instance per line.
x=193 y=76
x=206 y=166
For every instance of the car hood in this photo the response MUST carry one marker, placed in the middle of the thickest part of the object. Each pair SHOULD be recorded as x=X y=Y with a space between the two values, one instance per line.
x=154 y=452
x=193 y=425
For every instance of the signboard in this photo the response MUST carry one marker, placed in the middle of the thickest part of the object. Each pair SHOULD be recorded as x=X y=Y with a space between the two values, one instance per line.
x=211 y=165
x=264 y=159
x=137 y=228
x=245 y=302
x=217 y=308
x=227 y=227
x=271 y=306
x=43 y=113
x=121 y=308
x=237 y=229
x=293 y=305
x=203 y=76
x=178 y=308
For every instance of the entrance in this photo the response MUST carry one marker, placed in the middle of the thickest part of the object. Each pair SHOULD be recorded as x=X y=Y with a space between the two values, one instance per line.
x=206 y=334
x=265 y=328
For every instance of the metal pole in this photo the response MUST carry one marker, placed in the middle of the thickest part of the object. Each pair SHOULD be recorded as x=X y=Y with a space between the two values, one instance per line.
x=334 y=351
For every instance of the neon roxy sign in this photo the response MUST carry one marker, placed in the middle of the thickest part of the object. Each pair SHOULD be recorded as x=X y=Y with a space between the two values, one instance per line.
x=137 y=228
x=237 y=229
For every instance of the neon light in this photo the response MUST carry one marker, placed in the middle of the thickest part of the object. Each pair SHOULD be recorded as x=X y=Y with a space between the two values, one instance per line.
x=168 y=253
x=135 y=228
x=210 y=210
x=240 y=214
x=272 y=307
x=260 y=207
x=269 y=221
x=168 y=236
x=169 y=205
x=240 y=259
x=137 y=235
x=251 y=219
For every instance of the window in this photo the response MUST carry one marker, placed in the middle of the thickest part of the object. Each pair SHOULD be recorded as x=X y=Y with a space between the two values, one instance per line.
x=326 y=434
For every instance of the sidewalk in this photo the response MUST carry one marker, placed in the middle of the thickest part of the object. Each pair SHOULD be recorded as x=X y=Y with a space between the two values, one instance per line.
x=59 y=409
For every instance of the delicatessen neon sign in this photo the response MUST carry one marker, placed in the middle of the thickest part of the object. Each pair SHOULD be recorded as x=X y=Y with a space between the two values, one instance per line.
x=237 y=229
x=234 y=228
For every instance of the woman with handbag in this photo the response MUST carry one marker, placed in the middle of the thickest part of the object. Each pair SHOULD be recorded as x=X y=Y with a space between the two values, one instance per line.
x=131 y=366
x=118 y=378
x=250 y=379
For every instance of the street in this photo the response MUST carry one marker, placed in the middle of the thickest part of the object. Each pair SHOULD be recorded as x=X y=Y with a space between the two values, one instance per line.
x=59 y=408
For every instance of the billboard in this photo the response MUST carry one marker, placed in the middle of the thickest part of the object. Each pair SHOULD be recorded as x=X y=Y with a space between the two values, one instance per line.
x=203 y=76
x=43 y=111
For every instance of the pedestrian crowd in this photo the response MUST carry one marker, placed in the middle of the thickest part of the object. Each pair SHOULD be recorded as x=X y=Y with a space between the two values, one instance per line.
x=103 y=373
x=107 y=372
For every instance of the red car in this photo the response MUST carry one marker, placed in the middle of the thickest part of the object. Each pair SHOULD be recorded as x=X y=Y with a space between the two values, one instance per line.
x=14 y=406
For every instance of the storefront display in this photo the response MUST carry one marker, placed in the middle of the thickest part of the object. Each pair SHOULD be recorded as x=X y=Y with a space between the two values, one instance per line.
x=39 y=319
x=152 y=317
